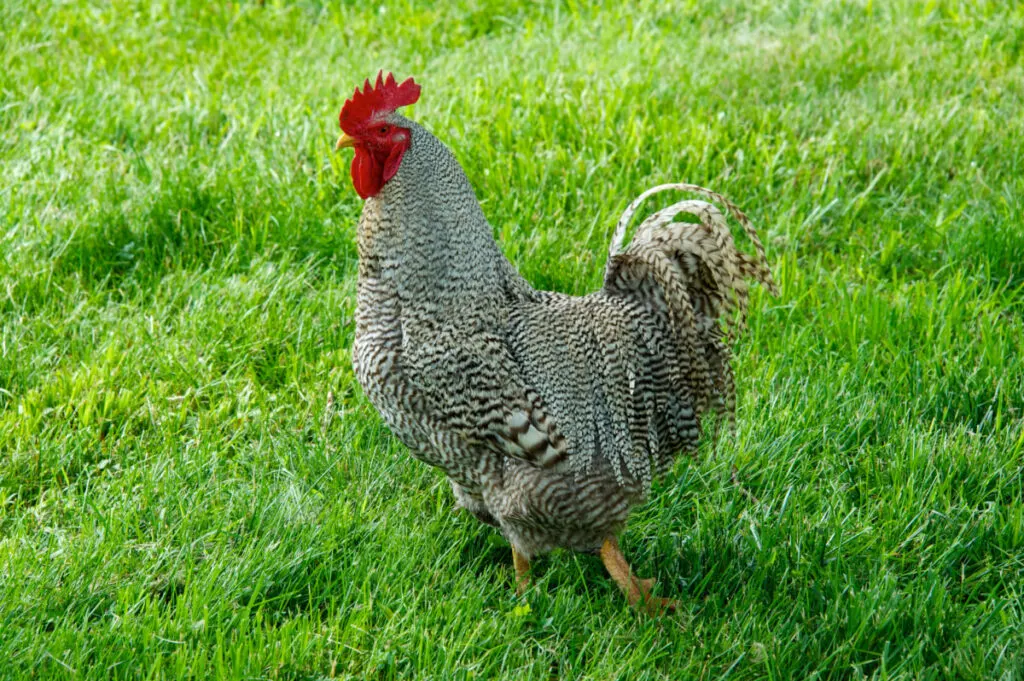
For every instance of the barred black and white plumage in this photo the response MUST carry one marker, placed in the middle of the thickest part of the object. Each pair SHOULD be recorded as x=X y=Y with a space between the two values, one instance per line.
x=550 y=414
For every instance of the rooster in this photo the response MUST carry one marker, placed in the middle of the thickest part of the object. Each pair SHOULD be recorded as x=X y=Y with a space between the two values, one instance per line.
x=550 y=414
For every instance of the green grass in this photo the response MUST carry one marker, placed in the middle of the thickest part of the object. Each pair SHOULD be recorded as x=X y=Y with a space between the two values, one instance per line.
x=192 y=485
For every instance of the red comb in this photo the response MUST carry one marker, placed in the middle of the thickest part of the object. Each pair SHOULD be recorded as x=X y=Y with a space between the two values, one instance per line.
x=385 y=96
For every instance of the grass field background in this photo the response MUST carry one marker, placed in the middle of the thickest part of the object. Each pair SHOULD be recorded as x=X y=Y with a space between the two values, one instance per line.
x=192 y=485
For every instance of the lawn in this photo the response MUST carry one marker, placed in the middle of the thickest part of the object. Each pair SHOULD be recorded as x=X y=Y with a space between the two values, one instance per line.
x=192 y=484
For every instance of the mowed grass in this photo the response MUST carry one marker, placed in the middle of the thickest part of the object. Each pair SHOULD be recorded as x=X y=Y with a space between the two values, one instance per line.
x=193 y=486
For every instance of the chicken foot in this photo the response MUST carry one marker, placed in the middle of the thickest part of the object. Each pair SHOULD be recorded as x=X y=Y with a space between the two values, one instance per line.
x=636 y=590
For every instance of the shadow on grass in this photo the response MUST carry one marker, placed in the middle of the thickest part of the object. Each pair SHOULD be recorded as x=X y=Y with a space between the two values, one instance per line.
x=190 y=225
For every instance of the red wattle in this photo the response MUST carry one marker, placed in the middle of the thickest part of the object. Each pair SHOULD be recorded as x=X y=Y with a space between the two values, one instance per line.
x=366 y=174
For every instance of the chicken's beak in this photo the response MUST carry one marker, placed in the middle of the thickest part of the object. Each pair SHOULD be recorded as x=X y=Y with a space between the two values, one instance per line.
x=344 y=142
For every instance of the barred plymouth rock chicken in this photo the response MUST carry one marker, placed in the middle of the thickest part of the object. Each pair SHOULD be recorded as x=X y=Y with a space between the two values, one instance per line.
x=549 y=413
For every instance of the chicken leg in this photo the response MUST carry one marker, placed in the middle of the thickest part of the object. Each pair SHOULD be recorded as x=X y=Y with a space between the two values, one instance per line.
x=636 y=590
x=522 y=565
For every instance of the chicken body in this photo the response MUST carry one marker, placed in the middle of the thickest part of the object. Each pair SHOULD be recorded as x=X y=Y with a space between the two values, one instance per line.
x=549 y=413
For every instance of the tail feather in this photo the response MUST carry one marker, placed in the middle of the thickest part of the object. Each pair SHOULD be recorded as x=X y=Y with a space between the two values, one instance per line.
x=693 y=277
x=714 y=224
x=730 y=267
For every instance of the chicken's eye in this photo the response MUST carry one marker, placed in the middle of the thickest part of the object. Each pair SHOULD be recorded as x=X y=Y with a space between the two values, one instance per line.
x=383 y=129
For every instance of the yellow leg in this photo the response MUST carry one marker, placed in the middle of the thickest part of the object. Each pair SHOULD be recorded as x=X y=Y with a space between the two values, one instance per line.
x=522 y=566
x=635 y=589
